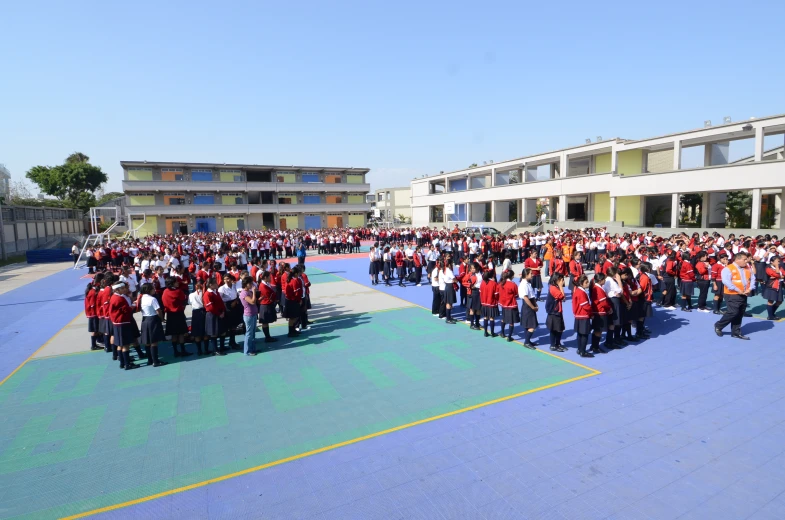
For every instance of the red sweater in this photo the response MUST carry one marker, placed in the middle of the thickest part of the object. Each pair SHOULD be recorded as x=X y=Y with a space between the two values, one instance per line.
x=535 y=264
x=599 y=301
x=294 y=290
x=508 y=294
x=174 y=300
x=687 y=273
x=90 y=310
x=120 y=311
x=581 y=306
x=213 y=303
x=269 y=296
x=489 y=293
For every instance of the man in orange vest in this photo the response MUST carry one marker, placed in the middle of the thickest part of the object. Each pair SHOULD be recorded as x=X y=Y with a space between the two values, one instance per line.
x=738 y=281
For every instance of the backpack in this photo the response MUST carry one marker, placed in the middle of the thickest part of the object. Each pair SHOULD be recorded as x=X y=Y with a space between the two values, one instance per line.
x=412 y=277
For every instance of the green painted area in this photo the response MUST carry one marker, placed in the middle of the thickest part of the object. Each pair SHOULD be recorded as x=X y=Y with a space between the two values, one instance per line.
x=318 y=276
x=86 y=380
x=92 y=436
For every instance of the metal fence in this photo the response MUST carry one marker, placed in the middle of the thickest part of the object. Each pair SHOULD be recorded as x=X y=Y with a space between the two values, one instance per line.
x=26 y=228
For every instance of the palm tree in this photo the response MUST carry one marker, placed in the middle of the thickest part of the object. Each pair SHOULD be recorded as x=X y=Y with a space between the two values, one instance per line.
x=77 y=157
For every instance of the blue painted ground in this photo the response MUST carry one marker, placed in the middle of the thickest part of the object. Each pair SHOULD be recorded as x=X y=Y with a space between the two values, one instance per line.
x=685 y=425
x=33 y=313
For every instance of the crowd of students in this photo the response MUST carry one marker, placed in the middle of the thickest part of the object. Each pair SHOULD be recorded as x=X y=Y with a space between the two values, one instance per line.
x=228 y=280
x=627 y=272
x=231 y=281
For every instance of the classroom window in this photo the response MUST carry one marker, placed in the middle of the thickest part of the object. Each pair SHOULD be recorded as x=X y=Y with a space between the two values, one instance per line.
x=312 y=199
x=286 y=199
x=460 y=213
x=458 y=185
x=310 y=177
x=202 y=175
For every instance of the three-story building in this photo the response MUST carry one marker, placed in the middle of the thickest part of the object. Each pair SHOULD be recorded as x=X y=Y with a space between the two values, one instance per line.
x=167 y=197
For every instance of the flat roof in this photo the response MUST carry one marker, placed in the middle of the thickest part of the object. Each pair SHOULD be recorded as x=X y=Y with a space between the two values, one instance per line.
x=161 y=164
x=586 y=145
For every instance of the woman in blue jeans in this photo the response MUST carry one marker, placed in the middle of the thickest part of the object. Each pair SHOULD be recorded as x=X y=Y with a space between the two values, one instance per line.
x=248 y=297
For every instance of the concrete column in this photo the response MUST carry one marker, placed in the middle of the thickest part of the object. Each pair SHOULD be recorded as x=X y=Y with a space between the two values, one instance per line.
x=613 y=161
x=675 y=209
x=493 y=177
x=562 y=208
x=612 y=216
x=493 y=210
x=676 y=155
x=529 y=210
x=778 y=220
x=755 y=214
x=759 y=138
x=706 y=209
x=564 y=165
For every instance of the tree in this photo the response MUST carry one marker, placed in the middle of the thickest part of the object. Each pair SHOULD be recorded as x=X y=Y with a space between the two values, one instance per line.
x=72 y=182
x=102 y=198
x=693 y=202
x=737 y=207
x=473 y=165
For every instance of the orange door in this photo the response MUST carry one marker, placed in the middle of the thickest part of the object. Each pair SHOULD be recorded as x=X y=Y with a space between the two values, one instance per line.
x=283 y=224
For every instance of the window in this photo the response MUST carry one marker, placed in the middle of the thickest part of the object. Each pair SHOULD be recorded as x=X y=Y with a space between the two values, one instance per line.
x=508 y=177
x=458 y=185
x=310 y=177
x=380 y=197
x=287 y=177
x=174 y=199
x=460 y=213
x=436 y=213
x=287 y=198
x=312 y=199
x=478 y=182
x=201 y=198
x=388 y=195
x=231 y=175
x=202 y=175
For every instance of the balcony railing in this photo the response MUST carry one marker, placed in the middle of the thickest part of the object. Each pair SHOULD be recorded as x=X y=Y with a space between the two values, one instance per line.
x=199 y=186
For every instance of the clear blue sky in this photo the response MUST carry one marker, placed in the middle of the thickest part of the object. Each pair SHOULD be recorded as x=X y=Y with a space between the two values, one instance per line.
x=404 y=88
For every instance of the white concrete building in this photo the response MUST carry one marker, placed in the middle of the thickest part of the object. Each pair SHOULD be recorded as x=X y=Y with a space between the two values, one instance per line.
x=634 y=182
x=392 y=202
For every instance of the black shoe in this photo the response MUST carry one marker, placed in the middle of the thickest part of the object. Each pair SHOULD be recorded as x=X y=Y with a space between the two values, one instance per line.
x=740 y=336
x=631 y=339
x=131 y=366
x=561 y=348
x=554 y=348
x=772 y=319
x=494 y=335
x=620 y=343
x=270 y=340
x=530 y=346
x=160 y=363
x=97 y=347
x=585 y=354
x=685 y=309
x=451 y=321
x=486 y=334
x=718 y=332
x=219 y=353
x=185 y=353
x=509 y=339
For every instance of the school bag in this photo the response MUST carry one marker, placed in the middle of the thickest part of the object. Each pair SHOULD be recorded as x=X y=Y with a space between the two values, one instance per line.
x=412 y=277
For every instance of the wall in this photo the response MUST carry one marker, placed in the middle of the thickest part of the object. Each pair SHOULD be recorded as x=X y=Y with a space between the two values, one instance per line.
x=141 y=200
x=630 y=162
x=150 y=226
x=628 y=210
x=602 y=163
x=602 y=207
x=661 y=161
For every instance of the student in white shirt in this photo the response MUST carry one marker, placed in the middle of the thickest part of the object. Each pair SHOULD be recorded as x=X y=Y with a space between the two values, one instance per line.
x=152 y=330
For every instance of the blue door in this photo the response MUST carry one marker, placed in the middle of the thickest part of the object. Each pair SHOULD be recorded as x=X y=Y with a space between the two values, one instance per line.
x=313 y=222
x=205 y=225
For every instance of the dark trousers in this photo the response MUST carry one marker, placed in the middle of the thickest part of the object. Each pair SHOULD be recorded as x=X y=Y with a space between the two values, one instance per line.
x=437 y=300
x=735 y=306
x=669 y=285
x=703 y=292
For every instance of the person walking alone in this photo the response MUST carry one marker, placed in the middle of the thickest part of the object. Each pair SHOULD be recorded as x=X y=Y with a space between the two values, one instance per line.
x=738 y=281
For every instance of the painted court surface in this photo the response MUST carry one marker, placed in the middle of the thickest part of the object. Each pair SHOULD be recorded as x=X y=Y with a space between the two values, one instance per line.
x=383 y=411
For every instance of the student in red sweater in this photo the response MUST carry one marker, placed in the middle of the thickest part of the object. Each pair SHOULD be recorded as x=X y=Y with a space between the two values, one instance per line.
x=687 y=276
x=508 y=299
x=702 y=279
x=174 y=300
x=774 y=287
x=553 y=307
x=293 y=292
x=601 y=315
x=716 y=281
x=126 y=332
x=91 y=311
x=267 y=299
x=581 y=308
x=535 y=264
x=489 y=298
x=215 y=318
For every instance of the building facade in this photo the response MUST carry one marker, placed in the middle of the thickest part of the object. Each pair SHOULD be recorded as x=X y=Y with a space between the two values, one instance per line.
x=640 y=183
x=163 y=197
x=5 y=181
x=393 y=202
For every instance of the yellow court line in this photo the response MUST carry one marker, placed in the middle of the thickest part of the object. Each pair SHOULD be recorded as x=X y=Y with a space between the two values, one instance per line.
x=320 y=450
x=592 y=372
x=39 y=349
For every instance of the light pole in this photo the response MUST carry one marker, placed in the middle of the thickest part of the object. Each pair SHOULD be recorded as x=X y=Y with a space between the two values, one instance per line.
x=2 y=234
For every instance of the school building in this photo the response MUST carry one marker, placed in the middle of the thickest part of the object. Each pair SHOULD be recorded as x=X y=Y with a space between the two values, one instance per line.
x=392 y=202
x=670 y=181
x=167 y=197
